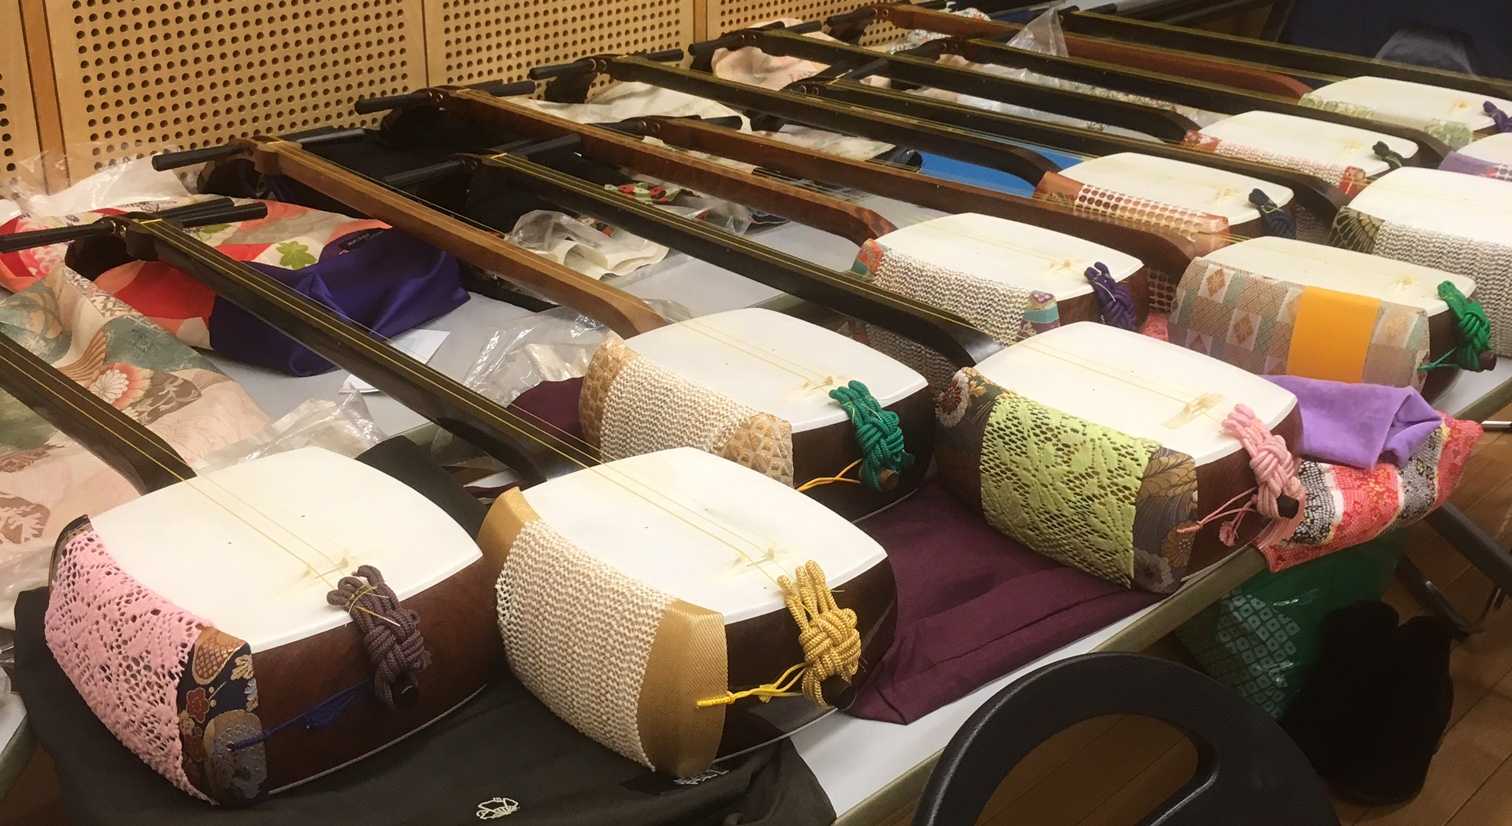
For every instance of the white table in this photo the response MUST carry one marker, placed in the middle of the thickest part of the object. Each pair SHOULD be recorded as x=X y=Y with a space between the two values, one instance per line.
x=869 y=769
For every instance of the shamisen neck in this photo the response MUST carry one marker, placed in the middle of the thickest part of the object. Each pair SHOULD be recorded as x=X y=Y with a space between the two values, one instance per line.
x=130 y=449
x=529 y=447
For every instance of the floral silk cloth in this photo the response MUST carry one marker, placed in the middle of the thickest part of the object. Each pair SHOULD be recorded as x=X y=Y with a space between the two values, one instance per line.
x=1085 y=495
x=47 y=479
x=380 y=278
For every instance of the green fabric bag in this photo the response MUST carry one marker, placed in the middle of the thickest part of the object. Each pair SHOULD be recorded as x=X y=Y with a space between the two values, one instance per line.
x=1262 y=638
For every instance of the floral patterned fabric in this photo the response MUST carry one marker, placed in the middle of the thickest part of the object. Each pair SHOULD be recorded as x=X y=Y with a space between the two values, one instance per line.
x=218 y=725
x=1085 y=495
x=1264 y=326
x=1347 y=506
x=378 y=277
x=47 y=479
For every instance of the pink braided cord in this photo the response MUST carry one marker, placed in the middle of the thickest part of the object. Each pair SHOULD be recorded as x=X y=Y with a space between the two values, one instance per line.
x=1275 y=474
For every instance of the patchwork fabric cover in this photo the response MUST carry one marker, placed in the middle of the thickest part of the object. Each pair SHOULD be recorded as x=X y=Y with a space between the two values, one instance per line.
x=1083 y=494
x=1269 y=326
x=626 y=410
x=1453 y=133
x=1005 y=312
x=1483 y=261
x=1349 y=179
x=1460 y=162
x=1346 y=506
x=175 y=691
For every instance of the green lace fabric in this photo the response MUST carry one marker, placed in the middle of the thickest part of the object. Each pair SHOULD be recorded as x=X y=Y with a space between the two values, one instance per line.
x=1083 y=494
x=1453 y=133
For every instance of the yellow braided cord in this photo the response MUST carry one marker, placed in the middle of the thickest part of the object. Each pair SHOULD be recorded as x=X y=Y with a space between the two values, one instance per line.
x=827 y=633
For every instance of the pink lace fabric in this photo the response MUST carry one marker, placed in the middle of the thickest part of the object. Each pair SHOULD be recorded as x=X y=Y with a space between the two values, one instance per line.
x=124 y=648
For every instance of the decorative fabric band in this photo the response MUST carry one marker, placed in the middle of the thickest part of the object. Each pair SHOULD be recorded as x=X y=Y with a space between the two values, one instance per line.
x=1460 y=162
x=1483 y=261
x=631 y=406
x=1349 y=179
x=1266 y=325
x=1208 y=231
x=171 y=688
x=578 y=634
x=1006 y=312
x=1083 y=494
x=1453 y=133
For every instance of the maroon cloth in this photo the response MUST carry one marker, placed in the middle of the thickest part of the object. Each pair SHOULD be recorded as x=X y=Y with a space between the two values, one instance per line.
x=973 y=604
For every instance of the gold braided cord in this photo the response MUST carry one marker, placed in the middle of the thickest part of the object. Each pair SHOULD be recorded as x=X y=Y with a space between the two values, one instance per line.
x=826 y=632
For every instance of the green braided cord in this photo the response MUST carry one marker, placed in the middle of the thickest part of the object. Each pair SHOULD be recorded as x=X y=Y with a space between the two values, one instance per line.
x=1474 y=330
x=877 y=432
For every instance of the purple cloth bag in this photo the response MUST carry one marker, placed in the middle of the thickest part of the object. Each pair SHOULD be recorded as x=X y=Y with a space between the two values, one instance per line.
x=973 y=604
x=384 y=280
x=1359 y=425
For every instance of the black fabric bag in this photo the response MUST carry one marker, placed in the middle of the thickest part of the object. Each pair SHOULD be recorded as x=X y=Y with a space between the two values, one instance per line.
x=502 y=750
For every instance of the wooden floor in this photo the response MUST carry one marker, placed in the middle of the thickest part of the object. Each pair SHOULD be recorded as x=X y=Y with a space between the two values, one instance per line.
x=1112 y=771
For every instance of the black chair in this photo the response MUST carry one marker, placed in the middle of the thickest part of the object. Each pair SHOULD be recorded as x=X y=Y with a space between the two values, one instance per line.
x=1249 y=773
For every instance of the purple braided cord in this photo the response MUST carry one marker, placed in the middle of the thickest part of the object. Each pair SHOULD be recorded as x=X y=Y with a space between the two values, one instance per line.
x=397 y=653
x=1115 y=304
x=1501 y=119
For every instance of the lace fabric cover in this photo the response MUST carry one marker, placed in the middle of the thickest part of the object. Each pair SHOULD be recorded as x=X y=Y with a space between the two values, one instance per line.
x=1080 y=493
x=631 y=406
x=1349 y=179
x=578 y=634
x=1483 y=261
x=1460 y=162
x=1453 y=133
x=1347 y=506
x=1261 y=325
x=1210 y=231
x=154 y=674
x=1004 y=311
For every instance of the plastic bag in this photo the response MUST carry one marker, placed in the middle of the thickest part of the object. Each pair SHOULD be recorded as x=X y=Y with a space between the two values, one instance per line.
x=129 y=185
x=344 y=427
x=1262 y=638
x=551 y=346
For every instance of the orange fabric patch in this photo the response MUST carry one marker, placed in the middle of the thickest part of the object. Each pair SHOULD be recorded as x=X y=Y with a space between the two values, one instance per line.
x=1331 y=336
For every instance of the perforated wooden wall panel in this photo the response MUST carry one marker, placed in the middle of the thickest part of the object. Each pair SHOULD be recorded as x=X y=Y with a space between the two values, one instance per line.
x=723 y=16
x=18 y=117
x=136 y=76
x=478 y=40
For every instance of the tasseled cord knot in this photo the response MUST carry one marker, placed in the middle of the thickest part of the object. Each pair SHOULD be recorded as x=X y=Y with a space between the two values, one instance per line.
x=878 y=433
x=390 y=634
x=1473 y=330
x=831 y=644
x=1498 y=117
x=1115 y=304
x=1393 y=159
x=1276 y=474
x=1278 y=222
